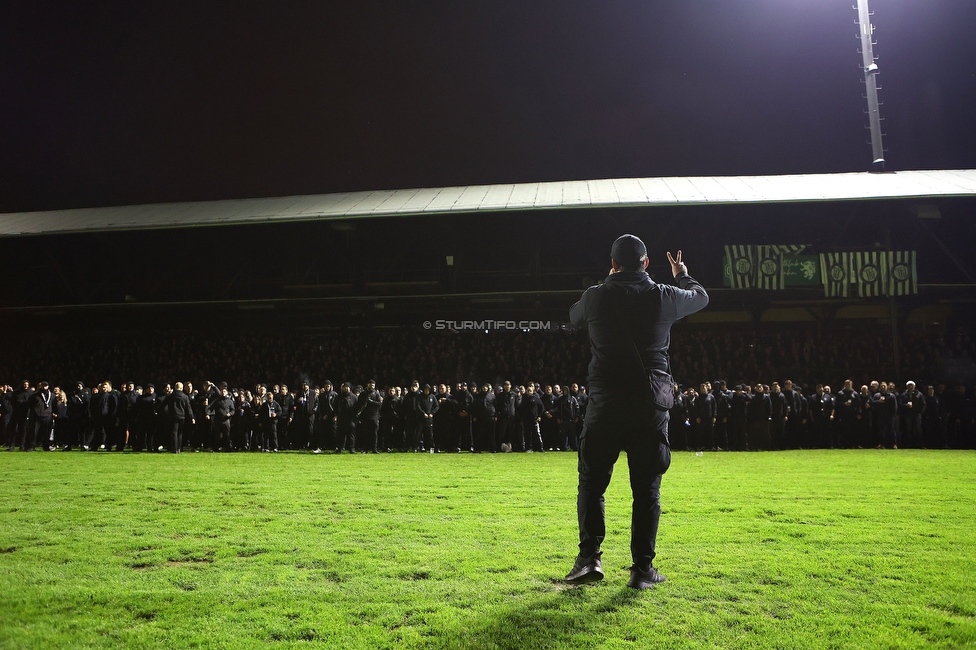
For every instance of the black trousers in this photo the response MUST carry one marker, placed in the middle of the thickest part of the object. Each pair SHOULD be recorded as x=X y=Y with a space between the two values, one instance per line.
x=484 y=435
x=270 y=429
x=643 y=434
x=369 y=438
x=222 y=434
x=41 y=429
x=504 y=429
x=347 y=436
x=530 y=436
x=177 y=429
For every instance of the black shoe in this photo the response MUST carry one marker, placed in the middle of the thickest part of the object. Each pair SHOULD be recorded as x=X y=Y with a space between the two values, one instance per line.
x=586 y=569
x=644 y=579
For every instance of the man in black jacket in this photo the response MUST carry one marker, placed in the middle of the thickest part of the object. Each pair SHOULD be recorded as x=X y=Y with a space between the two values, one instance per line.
x=629 y=320
x=77 y=423
x=20 y=407
x=346 y=419
x=368 y=411
x=177 y=412
x=328 y=429
x=777 y=416
x=847 y=410
x=41 y=427
x=738 y=410
x=304 y=417
x=287 y=402
x=505 y=413
x=389 y=415
x=912 y=406
x=706 y=411
x=723 y=408
x=566 y=412
x=483 y=417
x=413 y=417
x=463 y=398
x=427 y=407
x=445 y=421
x=144 y=420
x=794 y=415
x=758 y=414
x=269 y=415
x=529 y=414
x=821 y=407
x=220 y=411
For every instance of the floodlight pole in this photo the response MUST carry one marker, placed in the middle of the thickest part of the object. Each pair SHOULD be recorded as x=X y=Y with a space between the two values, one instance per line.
x=871 y=83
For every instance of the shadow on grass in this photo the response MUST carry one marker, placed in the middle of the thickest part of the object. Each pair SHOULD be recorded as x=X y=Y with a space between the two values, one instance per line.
x=570 y=617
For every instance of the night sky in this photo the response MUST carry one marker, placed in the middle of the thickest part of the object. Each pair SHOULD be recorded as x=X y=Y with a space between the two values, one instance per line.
x=106 y=103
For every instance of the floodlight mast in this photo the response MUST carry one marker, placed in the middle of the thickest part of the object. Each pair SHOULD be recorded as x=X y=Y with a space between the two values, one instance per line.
x=871 y=83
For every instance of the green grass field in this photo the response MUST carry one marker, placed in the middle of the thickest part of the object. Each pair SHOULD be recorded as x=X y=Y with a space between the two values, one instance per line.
x=809 y=549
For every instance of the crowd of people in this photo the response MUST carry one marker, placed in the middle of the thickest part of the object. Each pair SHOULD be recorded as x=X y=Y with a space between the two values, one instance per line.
x=485 y=418
x=395 y=412
x=353 y=418
x=771 y=417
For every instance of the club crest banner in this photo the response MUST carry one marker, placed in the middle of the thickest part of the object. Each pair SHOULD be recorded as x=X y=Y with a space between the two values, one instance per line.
x=835 y=271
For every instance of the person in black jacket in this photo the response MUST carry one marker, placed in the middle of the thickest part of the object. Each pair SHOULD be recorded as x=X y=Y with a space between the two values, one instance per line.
x=933 y=421
x=304 y=417
x=483 y=419
x=723 y=408
x=795 y=415
x=6 y=409
x=757 y=416
x=389 y=414
x=566 y=413
x=346 y=418
x=445 y=419
x=368 y=411
x=60 y=415
x=464 y=436
x=427 y=406
x=705 y=413
x=413 y=417
x=144 y=420
x=328 y=436
x=629 y=319
x=505 y=401
x=220 y=412
x=529 y=415
x=77 y=421
x=883 y=407
x=738 y=411
x=106 y=405
x=41 y=419
x=287 y=402
x=241 y=422
x=20 y=414
x=911 y=403
x=679 y=421
x=821 y=407
x=177 y=412
x=777 y=417
x=269 y=415
x=847 y=408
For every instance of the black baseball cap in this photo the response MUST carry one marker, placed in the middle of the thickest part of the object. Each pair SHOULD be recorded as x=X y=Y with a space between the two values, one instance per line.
x=627 y=250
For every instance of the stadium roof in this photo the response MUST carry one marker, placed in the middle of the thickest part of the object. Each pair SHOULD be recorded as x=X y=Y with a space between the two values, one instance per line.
x=616 y=192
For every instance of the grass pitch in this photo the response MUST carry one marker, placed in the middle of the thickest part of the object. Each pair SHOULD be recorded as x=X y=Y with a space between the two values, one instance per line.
x=809 y=549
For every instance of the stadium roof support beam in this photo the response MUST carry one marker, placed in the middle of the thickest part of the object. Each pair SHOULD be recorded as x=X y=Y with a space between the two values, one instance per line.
x=613 y=192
